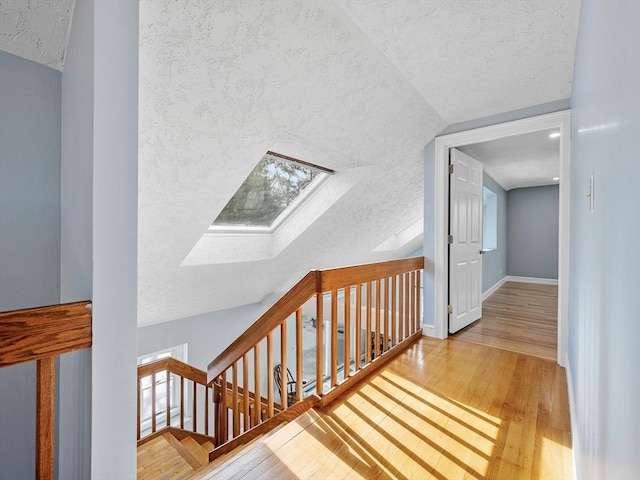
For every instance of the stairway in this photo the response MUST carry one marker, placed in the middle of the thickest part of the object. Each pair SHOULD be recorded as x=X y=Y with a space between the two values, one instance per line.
x=173 y=454
x=378 y=301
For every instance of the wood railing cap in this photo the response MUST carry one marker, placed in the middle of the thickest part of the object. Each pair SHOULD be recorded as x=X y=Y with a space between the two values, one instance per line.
x=173 y=365
x=276 y=314
x=314 y=282
x=36 y=333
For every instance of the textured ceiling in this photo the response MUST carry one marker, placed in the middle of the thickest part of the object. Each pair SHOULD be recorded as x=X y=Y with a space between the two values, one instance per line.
x=37 y=30
x=527 y=160
x=223 y=82
x=359 y=87
x=475 y=58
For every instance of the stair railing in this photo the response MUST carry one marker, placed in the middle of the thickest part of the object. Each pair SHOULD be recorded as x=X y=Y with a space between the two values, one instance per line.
x=172 y=393
x=40 y=334
x=329 y=329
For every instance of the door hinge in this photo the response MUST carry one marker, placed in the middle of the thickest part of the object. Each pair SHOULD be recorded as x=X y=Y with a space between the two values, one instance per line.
x=449 y=309
x=451 y=169
x=450 y=239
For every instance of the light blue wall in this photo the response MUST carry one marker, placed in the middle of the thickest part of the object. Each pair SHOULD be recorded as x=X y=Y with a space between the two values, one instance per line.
x=115 y=239
x=30 y=183
x=74 y=426
x=532 y=232
x=429 y=187
x=29 y=234
x=604 y=294
x=77 y=158
x=494 y=263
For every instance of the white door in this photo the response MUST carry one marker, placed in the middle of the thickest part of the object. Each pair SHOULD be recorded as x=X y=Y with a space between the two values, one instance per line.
x=465 y=249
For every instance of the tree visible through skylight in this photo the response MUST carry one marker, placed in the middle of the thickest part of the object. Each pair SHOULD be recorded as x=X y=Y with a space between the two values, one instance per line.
x=270 y=189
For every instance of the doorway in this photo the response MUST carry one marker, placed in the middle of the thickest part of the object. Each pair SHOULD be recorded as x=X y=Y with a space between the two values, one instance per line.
x=559 y=121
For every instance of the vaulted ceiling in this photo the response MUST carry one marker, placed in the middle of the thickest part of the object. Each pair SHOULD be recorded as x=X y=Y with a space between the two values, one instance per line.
x=358 y=86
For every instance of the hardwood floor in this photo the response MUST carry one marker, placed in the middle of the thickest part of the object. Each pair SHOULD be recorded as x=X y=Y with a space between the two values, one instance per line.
x=443 y=409
x=521 y=317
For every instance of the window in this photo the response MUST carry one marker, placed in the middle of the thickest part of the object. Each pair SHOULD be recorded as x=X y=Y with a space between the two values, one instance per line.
x=270 y=193
x=178 y=352
x=489 y=220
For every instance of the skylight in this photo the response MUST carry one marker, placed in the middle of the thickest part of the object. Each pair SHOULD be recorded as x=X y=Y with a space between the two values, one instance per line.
x=270 y=193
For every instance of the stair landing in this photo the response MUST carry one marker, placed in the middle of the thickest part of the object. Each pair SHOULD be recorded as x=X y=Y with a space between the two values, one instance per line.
x=442 y=410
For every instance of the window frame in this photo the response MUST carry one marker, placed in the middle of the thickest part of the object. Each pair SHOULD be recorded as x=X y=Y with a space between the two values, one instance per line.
x=179 y=352
x=288 y=211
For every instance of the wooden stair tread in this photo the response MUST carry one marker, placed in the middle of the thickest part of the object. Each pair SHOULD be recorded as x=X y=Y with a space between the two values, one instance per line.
x=158 y=459
x=208 y=446
x=197 y=450
x=183 y=451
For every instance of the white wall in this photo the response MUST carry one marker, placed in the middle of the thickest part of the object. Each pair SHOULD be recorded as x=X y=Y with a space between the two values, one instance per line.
x=604 y=305
x=115 y=209
x=207 y=335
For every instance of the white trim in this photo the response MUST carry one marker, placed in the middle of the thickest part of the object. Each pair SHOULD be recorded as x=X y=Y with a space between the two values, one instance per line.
x=493 y=289
x=429 y=331
x=559 y=120
x=511 y=278
x=286 y=213
x=575 y=433
x=542 y=281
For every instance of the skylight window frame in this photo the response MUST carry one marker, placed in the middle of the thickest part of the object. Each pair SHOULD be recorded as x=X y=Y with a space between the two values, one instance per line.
x=324 y=173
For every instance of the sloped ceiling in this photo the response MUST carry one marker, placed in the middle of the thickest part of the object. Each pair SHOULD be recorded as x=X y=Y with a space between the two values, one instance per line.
x=357 y=86
x=475 y=58
x=37 y=30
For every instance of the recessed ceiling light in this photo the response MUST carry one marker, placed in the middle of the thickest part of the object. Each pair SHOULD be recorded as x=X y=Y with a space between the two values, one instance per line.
x=554 y=135
x=556 y=178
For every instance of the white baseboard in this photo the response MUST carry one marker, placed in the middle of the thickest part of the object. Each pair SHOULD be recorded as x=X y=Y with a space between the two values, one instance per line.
x=495 y=287
x=429 y=331
x=543 y=281
x=575 y=434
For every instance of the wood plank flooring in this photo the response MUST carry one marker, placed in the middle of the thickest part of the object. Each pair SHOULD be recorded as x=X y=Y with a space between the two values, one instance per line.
x=444 y=409
x=521 y=317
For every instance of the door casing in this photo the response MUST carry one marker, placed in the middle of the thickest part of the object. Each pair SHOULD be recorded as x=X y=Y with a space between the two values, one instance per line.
x=562 y=122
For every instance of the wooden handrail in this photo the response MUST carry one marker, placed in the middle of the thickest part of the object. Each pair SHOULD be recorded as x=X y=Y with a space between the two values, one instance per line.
x=184 y=371
x=337 y=278
x=173 y=365
x=379 y=321
x=287 y=305
x=38 y=333
x=314 y=282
